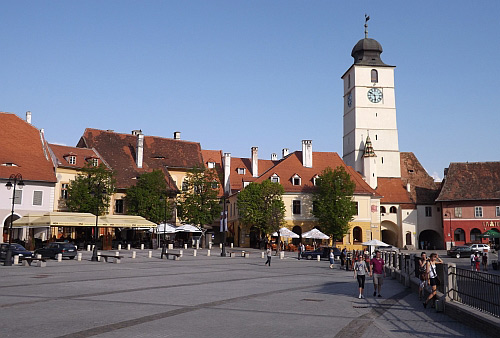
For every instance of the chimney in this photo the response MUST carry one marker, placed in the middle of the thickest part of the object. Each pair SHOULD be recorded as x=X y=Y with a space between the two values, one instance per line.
x=274 y=157
x=408 y=187
x=285 y=152
x=227 y=173
x=255 y=162
x=307 y=153
x=177 y=135
x=136 y=132
x=28 y=117
x=139 y=155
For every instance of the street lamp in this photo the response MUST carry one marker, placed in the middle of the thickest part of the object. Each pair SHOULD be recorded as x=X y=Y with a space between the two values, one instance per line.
x=164 y=246
x=98 y=191
x=15 y=180
x=450 y=234
x=223 y=225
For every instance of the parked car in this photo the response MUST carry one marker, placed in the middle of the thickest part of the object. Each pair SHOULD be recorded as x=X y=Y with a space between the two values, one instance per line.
x=460 y=251
x=480 y=247
x=52 y=249
x=323 y=252
x=17 y=249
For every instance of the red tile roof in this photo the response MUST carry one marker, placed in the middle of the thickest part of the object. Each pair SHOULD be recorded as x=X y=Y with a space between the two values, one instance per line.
x=471 y=181
x=394 y=191
x=216 y=157
x=83 y=155
x=236 y=180
x=24 y=145
x=119 y=151
x=292 y=164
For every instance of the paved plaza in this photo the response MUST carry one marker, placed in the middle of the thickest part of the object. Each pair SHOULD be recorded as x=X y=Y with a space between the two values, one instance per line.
x=208 y=297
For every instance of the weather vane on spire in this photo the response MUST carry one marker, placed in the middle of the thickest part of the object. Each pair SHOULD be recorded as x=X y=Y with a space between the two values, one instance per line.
x=367 y=17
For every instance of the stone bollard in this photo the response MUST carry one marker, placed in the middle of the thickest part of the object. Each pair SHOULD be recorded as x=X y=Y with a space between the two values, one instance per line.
x=185 y=246
x=16 y=259
x=117 y=253
x=262 y=254
x=220 y=245
x=208 y=253
x=119 y=247
x=128 y=246
x=99 y=256
x=142 y=246
x=79 y=257
x=195 y=252
x=150 y=254
x=116 y=260
x=38 y=256
x=243 y=254
x=197 y=244
x=41 y=264
x=88 y=247
x=93 y=246
x=181 y=252
x=170 y=246
x=209 y=246
x=232 y=245
x=134 y=253
x=59 y=257
x=318 y=257
x=282 y=254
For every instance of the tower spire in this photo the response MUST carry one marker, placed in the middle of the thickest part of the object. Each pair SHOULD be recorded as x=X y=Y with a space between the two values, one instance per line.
x=367 y=17
x=369 y=152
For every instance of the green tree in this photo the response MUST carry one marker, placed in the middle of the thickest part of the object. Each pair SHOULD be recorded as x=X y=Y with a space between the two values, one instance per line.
x=333 y=201
x=198 y=204
x=261 y=205
x=91 y=189
x=148 y=197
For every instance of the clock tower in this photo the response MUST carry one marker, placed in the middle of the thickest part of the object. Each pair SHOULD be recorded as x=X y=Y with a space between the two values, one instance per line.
x=370 y=110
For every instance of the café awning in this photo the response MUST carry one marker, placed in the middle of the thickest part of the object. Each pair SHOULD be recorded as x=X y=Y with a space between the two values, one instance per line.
x=78 y=219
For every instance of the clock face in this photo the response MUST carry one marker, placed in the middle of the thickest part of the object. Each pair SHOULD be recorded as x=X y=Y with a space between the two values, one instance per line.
x=349 y=99
x=375 y=95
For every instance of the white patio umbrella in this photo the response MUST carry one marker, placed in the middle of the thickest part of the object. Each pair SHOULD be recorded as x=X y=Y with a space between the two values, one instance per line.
x=187 y=228
x=374 y=242
x=286 y=233
x=315 y=234
x=166 y=228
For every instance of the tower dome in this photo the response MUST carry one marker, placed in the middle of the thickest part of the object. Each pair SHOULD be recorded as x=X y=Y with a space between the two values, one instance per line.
x=367 y=53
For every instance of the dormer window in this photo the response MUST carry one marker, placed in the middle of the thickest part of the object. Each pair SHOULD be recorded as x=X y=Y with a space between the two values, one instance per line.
x=296 y=180
x=241 y=171
x=95 y=162
x=245 y=184
x=315 y=178
x=9 y=164
x=211 y=165
x=72 y=159
x=275 y=178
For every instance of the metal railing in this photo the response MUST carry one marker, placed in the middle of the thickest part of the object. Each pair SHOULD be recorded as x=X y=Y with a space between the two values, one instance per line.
x=476 y=289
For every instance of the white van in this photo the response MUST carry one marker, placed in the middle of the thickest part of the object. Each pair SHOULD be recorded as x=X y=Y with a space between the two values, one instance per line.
x=480 y=247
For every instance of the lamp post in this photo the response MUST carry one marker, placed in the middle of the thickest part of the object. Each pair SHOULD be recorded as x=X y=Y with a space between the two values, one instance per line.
x=15 y=180
x=164 y=246
x=223 y=225
x=450 y=234
x=97 y=193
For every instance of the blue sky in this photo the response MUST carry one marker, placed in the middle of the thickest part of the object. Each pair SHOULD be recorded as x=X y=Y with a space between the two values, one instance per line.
x=237 y=74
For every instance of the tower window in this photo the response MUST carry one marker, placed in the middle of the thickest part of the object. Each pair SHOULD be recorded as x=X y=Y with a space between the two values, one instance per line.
x=382 y=160
x=374 y=75
x=376 y=137
x=349 y=81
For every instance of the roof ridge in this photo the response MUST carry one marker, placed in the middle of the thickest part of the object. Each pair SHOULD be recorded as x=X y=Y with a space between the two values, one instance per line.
x=145 y=136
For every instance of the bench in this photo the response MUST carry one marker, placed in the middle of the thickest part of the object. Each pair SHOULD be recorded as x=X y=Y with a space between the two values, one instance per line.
x=28 y=260
x=111 y=256
x=176 y=256
x=245 y=254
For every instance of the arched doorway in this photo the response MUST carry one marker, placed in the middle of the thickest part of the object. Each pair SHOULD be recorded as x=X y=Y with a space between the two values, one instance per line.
x=430 y=240
x=473 y=235
x=357 y=235
x=459 y=235
x=408 y=238
x=389 y=233
x=6 y=226
x=298 y=230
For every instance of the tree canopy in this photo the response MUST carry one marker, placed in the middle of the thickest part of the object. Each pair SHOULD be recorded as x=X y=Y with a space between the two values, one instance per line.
x=198 y=203
x=91 y=190
x=149 y=198
x=261 y=205
x=333 y=201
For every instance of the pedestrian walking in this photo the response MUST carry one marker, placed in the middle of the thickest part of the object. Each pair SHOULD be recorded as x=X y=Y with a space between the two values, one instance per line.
x=432 y=278
x=332 y=258
x=484 y=260
x=422 y=273
x=269 y=255
x=378 y=273
x=343 y=254
x=301 y=250
x=473 y=261
x=478 y=261
x=360 y=270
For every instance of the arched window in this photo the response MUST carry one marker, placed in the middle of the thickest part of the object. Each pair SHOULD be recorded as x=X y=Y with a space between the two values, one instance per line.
x=393 y=210
x=459 y=235
x=473 y=235
x=374 y=75
x=382 y=210
x=408 y=238
x=357 y=234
